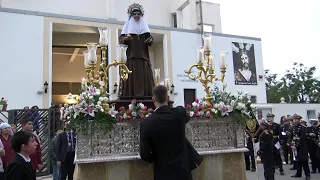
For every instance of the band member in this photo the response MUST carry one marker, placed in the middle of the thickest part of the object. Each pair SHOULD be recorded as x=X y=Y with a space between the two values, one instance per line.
x=303 y=122
x=275 y=130
x=298 y=144
x=250 y=154
x=284 y=141
x=312 y=138
x=266 y=150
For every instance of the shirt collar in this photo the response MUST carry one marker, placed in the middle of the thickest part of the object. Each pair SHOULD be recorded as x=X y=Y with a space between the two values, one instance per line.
x=25 y=159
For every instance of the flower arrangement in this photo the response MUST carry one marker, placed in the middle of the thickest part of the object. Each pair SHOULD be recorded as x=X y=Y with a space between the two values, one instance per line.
x=135 y=111
x=92 y=108
x=3 y=101
x=224 y=104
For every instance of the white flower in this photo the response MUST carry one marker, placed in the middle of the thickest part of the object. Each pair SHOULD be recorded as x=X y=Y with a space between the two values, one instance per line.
x=98 y=93
x=130 y=106
x=225 y=110
x=101 y=98
x=214 y=111
x=240 y=97
x=70 y=108
x=90 y=97
x=249 y=101
x=106 y=99
x=236 y=96
x=201 y=113
x=147 y=115
x=125 y=115
x=240 y=106
x=191 y=113
x=233 y=103
x=62 y=108
x=194 y=104
x=141 y=105
x=102 y=110
x=99 y=102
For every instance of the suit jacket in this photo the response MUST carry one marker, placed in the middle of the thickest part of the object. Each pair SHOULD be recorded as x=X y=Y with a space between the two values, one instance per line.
x=163 y=142
x=62 y=146
x=298 y=138
x=19 y=169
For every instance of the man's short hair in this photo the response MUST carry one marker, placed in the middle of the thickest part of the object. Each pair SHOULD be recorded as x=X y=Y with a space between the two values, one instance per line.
x=160 y=94
x=20 y=138
x=25 y=121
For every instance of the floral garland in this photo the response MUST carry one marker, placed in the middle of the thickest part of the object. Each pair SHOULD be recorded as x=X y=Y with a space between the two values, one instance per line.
x=3 y=101
x=92 y=108
x=134 y=112
x=224 y=104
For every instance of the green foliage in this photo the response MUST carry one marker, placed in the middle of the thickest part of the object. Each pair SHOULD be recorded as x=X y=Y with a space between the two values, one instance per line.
x=298 y=85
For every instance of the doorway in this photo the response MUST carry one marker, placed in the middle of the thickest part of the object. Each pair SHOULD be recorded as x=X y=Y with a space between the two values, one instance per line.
x=189 y=96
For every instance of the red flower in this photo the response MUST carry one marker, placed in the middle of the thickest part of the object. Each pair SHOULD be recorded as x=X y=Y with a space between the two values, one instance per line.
x=122 y=108
x=200 y=108
x=134 y=118
x=150 y=110
x=145 y=108
x=129 y=111
x=128 y=117
x=195 y=111
x=142 y=117
x=209 y=106
x=134 y=101
x=120 y=118
x=208 y=116
x=197 y=101
x=188 y=106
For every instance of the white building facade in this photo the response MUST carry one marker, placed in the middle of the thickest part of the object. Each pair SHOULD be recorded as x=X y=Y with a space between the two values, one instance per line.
x=41 y=41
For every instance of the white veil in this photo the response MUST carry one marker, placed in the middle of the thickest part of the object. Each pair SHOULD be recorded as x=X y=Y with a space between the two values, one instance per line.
x=135 y=27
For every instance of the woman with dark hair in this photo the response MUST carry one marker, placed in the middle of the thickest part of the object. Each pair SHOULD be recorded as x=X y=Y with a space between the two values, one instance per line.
x=281 y=120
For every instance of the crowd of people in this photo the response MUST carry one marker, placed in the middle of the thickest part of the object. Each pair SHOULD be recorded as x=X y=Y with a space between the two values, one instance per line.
x=291 y=139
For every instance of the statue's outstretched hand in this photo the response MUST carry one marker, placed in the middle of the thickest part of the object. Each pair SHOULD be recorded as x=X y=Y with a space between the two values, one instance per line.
x=128 y=37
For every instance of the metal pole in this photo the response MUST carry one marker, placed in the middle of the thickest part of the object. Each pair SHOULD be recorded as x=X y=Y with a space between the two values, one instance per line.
x=201 y=20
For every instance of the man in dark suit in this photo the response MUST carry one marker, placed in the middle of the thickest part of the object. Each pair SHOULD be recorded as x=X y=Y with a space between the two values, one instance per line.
x=65 y=153
x=275 y=130
x=24 y=144
x=163 y=141
x=298 y=138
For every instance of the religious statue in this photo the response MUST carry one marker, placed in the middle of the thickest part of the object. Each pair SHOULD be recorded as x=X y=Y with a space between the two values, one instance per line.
x=136 y=34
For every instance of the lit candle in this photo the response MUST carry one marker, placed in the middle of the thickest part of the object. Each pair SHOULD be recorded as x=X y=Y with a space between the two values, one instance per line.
x=83 y=82
x=167 y=83
x=207 y=43
x=200 y=56
x=222 y=60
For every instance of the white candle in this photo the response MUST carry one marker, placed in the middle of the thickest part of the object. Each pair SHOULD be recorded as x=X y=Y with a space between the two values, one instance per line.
x=207 y=43
x=83 y=82
x=222 y=60
x=200 y=56
x=167 y=83
x=211 y=60
x=157 y=73
x=121 y=53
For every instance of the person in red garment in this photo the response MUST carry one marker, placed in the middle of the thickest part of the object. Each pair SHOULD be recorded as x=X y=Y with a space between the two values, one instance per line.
x=5 y=137
x=36 y=156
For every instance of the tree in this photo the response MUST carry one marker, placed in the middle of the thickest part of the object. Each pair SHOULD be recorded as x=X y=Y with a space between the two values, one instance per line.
x=298 y=85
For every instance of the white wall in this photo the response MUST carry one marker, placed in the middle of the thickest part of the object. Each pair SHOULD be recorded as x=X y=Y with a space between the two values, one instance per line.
x=103 y=9
x=211 y=15
x=184 y=55
x=21 y=65
x=85 y=8
x=289 y=109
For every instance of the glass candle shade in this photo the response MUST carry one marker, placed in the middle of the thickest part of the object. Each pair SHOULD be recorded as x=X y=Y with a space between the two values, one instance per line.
x=103 y=40
x=207 y=42
x=92 y=53
x=200 y=54
x=122 y=52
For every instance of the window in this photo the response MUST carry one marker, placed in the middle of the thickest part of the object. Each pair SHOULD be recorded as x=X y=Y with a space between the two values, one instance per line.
x=189 y=96
x=174 y=20
x=253 y=99
x=311 y=114
x=208 y=28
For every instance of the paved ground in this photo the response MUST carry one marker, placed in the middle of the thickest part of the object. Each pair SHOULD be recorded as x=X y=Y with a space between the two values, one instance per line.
x=259 y=175
x=288 y=173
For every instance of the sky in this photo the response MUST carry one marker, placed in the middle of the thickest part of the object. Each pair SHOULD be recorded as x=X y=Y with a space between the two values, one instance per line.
x=289 y=29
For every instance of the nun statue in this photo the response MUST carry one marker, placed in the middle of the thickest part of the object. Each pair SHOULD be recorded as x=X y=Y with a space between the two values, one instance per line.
x=136 y=34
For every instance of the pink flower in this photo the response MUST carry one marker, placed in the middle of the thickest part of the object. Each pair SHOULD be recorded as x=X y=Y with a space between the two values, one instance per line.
x=197 y=100
x=134 y=118
x=142 y=117
x=188 y=106
x=150 y=110
x=122 y=108
x=145 y=108
x=134 y=101
x=200 y=108
x=120 y=118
